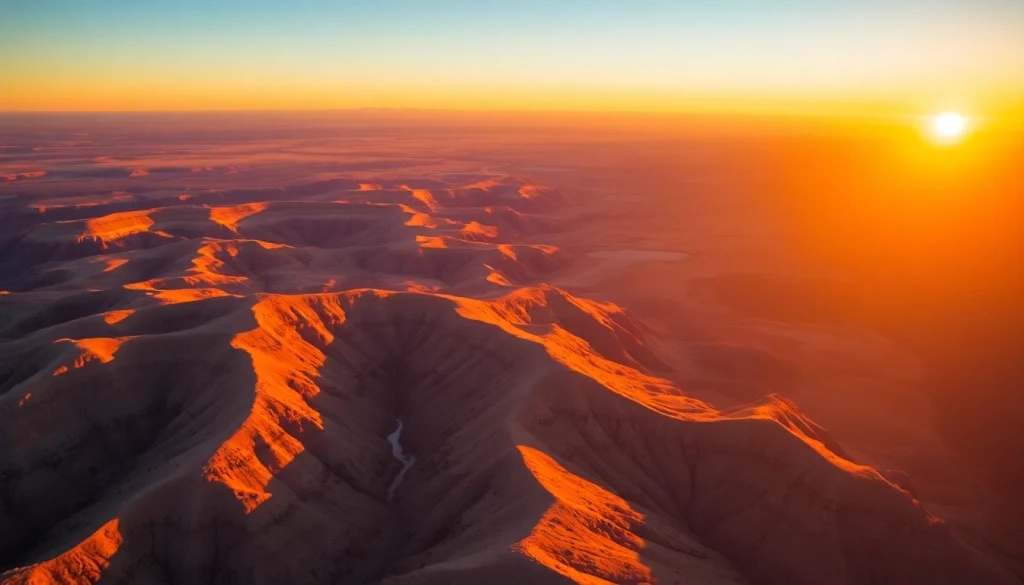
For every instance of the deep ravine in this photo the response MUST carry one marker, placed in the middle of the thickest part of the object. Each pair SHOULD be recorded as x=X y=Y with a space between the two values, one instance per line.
x=407 y=461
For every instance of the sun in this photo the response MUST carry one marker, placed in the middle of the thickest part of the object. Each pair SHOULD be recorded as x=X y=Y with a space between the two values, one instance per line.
x=949 y=126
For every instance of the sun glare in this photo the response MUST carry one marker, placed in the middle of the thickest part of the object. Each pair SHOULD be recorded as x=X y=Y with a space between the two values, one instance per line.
x=949 y=126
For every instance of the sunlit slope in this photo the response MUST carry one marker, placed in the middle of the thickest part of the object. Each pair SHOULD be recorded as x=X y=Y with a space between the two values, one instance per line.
x=355 y=238
x=212 y=406
x=265 y=427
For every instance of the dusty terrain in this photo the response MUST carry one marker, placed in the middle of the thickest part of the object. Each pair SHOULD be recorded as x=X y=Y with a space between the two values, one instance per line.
x=610 y=364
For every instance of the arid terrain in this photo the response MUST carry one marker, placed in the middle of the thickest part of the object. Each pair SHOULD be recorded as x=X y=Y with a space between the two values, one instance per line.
x=619 y=354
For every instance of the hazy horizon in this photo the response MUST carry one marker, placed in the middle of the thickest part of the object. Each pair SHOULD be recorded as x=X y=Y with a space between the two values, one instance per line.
x=907 y=56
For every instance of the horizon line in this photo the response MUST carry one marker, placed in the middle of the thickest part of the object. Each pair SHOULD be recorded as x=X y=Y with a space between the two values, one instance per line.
x=766 y=112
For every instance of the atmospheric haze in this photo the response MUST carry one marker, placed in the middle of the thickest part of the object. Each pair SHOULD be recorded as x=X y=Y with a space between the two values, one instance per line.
x=616 y=348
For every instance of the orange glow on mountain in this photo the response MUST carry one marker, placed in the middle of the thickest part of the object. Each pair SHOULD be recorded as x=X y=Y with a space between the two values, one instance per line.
x=586 y=533
x=426 y=197
x=230 y=216
x=114 y=263
x=87 y=559
x=175 y=296
x=436 y=242
x=286 y=368
x=478 y=232
x=529 y=192
x=116 y=226
x=417 y=219
x=113 y=317
x=207 y=266
x=98 y=348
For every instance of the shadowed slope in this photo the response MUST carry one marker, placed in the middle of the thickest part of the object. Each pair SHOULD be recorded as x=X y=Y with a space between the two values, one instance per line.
x=331 y=371
x=222 y=400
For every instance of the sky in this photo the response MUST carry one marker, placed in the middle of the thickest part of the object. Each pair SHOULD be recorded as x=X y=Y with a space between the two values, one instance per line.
x=639 y=55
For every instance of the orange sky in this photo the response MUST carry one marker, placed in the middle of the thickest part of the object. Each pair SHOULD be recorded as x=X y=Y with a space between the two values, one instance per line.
x=902 y=56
